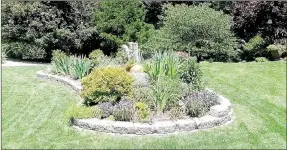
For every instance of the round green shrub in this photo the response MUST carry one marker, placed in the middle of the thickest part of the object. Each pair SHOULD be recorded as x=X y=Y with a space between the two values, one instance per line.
x=261 y=59
x=96 y=56
x=106 y=84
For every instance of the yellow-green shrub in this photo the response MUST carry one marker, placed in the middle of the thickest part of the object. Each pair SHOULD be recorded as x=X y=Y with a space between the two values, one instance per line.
x=106 y=84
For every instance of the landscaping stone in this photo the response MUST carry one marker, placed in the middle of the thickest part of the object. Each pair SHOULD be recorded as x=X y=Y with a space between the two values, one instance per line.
x=185 y=125
x=141 y=79
x=219 y=110
x=137 y=68
x=143 y=128
x=73 y=84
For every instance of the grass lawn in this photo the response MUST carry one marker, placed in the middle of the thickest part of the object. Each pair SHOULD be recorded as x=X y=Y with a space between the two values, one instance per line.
x=33 y=112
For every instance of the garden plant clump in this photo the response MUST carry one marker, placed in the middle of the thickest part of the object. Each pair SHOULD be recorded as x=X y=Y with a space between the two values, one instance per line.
x=109 y=91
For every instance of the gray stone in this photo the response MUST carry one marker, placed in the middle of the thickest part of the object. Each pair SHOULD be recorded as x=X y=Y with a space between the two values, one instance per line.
x=143 y=128
x=141 y=79
x=219 y=110
x=124 y=127
x=73 y=84
x=163 y=127
x=209 y=121
x=185 y=125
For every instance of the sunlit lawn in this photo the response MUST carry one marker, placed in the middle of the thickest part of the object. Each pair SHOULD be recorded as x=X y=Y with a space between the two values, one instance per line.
x=33 y=112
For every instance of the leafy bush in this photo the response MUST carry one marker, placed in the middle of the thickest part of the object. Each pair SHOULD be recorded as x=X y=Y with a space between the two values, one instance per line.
x=98 y=113
x=79 y=66
x=48 y=25
x=198 y=29
x=261 y=59
x=107 y=109
x=254 y=48
x=164 y=64
x=122 y=21
x=190 y=73
x=106 y=84
x=22 y=50
x=96 y=56
x=124 y=110
x=166 y=92
x=60 y=62
x=142 y=111
x=199 y=102
x=121 y=57
x=143 y=94
x=277 y=50
x=79 y=112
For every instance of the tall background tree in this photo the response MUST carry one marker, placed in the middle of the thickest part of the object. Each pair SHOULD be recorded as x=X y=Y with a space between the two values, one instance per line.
x=45 y=26
x=260 y=17
x=122 y=21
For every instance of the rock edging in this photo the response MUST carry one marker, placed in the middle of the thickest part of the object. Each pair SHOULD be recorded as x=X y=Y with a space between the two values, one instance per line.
x=73 y=84
x=218 y=115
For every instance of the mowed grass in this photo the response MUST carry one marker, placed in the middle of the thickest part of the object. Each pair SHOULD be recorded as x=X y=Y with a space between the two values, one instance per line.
x=33 y=112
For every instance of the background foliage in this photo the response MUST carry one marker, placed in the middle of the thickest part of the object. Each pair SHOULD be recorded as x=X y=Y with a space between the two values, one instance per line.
x=31 y=30
x=122 y=21
x=50 y=25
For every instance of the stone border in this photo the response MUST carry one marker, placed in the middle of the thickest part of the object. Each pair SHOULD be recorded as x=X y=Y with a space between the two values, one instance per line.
x=218 y=115
x=73 y=84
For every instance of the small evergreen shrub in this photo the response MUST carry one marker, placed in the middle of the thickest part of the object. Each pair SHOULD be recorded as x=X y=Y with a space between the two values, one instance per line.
x=199 y=102
x=254 y=48
x=107 y=109
x=142 y=111
x=96 y=56
x=60 y=62
x=79 y=112
x=261 y=59
x=277 y=49
x=106 y=84
x=121 y=56
x=124 y=110
x=80 y=66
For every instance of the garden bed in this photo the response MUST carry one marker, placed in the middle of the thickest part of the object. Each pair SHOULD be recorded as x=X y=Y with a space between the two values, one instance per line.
x=218 y=115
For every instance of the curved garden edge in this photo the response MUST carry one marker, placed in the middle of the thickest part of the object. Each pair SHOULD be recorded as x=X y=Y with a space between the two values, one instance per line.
x=218 y=115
